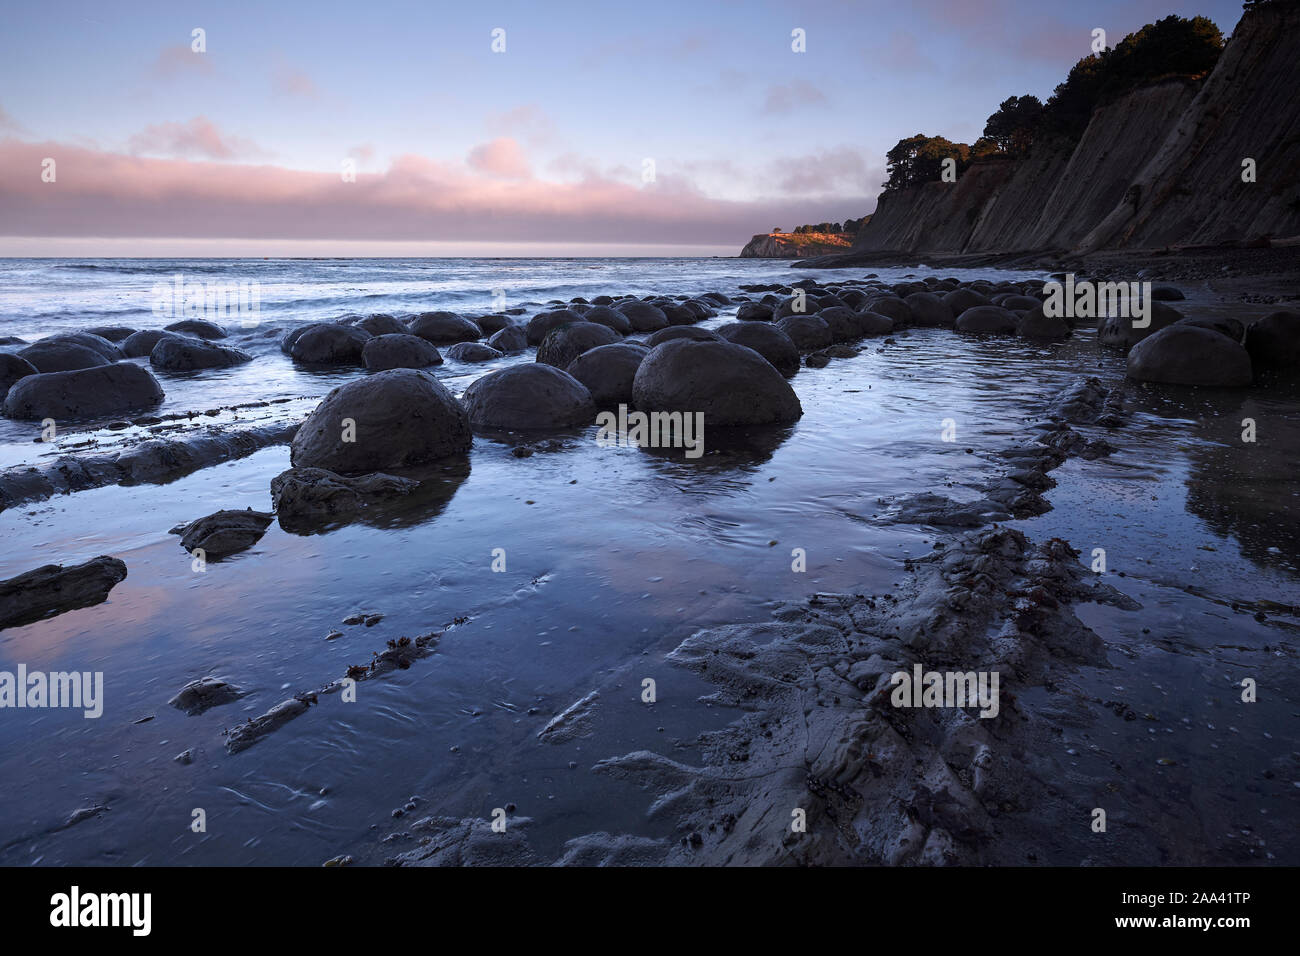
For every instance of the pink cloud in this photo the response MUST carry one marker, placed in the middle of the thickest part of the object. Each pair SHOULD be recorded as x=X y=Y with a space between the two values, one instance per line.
x=502 y=158
x=198 y=138
x=108 y=195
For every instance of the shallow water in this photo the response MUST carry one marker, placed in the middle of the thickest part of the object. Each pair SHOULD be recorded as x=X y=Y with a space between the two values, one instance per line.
x=613 y=556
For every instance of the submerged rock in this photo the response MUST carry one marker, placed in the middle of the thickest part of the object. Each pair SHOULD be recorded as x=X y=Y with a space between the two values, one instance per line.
x=85 y=393
x=393 y=419
x=250 y=732
x=1190 y=355
x=204 y=693
x=575 y=721
x=224 y=532
x=306 y=498
x=53 y=589
x=728 y=383
x=530 y=396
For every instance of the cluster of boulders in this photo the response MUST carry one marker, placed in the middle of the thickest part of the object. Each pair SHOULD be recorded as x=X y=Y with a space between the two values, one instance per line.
x=83 y=375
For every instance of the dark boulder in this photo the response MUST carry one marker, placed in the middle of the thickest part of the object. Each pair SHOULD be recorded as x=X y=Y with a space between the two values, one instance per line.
x=679 y=332
x=1119 y=332
x=398 y=350
x=12 y=368
x=988 y=318
x=1189 y=355
x=114 y=333
x=543 y=323
x=730 y=384
x=330 y=345
x=141 y=344
x=393 y=419
x=564 y=344
x=199 y=327
x=807 y=331
x=444 y=328
x=1274 y=340
x=754 y=312
x=381 y=324
x=928 y=310
x=608 y=371
x=529 y=396
x=767 y=340
x=473 y=352
x=643 y=316
x=83 y=393
x=61 y=356
x=604 y=315
x=513 y=338
x=185 y=355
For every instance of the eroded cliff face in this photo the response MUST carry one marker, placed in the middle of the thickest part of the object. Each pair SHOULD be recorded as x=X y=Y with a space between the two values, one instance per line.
x=1160 y=166
x=1191 y=191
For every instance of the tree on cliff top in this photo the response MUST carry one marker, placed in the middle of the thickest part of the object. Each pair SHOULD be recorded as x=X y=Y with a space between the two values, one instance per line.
x=919 y=159
x=1172 y=46
x=1011 y=129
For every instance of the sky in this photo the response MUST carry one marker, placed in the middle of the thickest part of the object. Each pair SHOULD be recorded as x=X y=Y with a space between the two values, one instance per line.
x=619 y=128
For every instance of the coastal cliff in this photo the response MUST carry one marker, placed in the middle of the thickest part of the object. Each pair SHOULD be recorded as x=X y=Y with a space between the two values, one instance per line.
x=1159 y=166
x=784 y=245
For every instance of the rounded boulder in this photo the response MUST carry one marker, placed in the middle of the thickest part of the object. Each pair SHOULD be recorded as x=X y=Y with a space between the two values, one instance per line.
x=730 y=384
x=530 y=396
x=395 y=419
